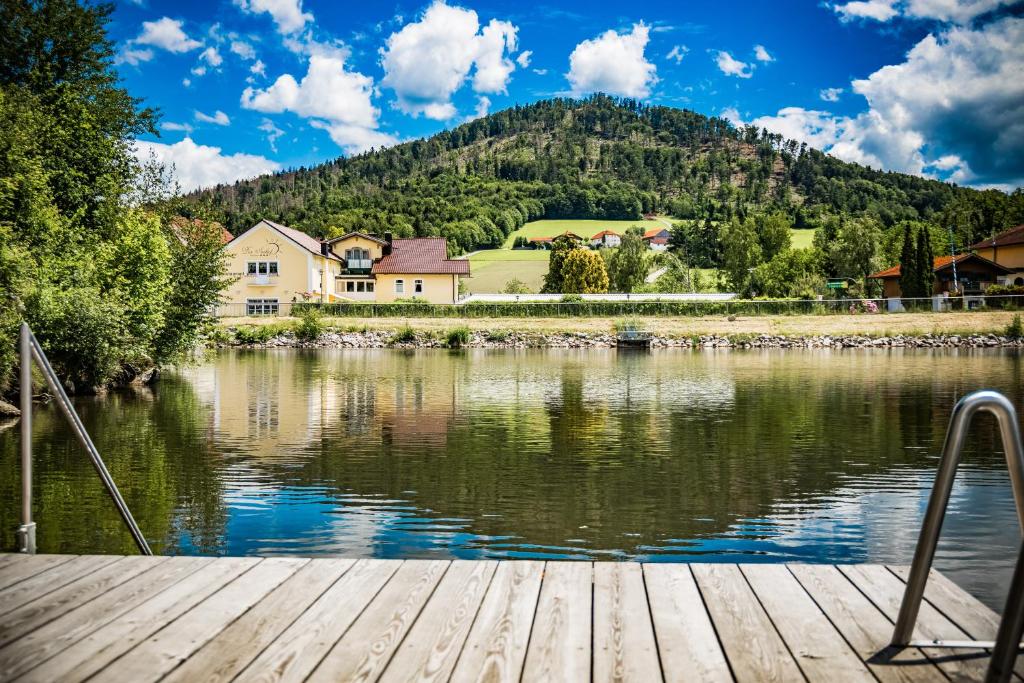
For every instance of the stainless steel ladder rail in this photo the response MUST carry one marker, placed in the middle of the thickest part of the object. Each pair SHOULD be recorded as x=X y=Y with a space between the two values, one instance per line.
x=30 y=350
x=1011 y=627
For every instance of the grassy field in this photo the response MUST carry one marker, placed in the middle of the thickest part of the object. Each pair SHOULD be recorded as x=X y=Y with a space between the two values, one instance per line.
x=583 y=228
x=915 y=324
x=493 y=268
x=801 y=239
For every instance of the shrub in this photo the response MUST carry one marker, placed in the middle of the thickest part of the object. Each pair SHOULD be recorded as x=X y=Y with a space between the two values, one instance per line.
x=310 y=325
x=498 y=336
x=457 y=337
x=1015 y=329
x=404 y=335
x=258 y=334
x=572 y=299
x=627 y=325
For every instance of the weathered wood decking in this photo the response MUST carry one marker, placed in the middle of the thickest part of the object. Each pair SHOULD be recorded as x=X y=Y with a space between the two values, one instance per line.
x=71 y=618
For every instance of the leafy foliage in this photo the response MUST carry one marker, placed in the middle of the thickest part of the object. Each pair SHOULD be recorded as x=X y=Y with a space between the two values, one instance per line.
x=627 y=264
x=584 y=272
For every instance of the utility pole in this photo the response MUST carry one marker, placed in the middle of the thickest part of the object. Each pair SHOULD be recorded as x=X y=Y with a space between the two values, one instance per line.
x=952 y=253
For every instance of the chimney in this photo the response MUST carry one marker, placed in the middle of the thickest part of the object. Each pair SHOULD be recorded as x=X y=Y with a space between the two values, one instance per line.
x=387 y=246
x=325 y=248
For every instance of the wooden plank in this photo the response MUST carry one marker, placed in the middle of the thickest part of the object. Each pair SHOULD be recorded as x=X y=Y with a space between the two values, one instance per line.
x=885 y=590
x=297 y=651
x=975 y=618
x=54 y=604
x=170 y=646
x=624 y=645
x=222 y=658
x=819 y=649
x=44 y=642
x=687 y=643
x=559 y=648
x=755 y=650
x=434 y=642
x=365 y=649
x=90 y=654
x=863 y=626
x=38 y=585
x=496 y=646
x=20 y=566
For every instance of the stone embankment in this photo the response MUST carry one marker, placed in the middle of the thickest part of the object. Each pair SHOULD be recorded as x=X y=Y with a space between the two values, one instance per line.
x=520 y=340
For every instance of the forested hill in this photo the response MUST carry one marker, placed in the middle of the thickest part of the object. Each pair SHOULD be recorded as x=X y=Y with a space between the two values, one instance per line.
x=599 y=157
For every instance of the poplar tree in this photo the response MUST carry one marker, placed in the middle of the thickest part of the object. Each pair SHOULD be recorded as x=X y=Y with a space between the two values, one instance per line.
x=910 y=283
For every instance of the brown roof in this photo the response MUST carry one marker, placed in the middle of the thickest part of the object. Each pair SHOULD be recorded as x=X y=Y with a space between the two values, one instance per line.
x=356 y=233
x=308 y=243
x=938 y=264
x=571 y=235
x=1003 y=239
x=603 y=233
x=654 y=232
x=420 y=255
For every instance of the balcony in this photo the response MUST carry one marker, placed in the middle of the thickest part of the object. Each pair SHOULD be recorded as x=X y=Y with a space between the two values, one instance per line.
x=355 y=266
x=261 y=280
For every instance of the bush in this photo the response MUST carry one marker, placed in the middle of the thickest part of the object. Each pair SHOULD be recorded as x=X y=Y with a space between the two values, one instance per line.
x=498 y=336
x=458 y=337
x=258 y=334
x=404 y=335
x=1015 y=329
x=572 y=299
x=310 y=325
x=1005 y=290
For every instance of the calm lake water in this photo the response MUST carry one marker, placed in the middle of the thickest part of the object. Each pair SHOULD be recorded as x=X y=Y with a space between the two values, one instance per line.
x=754 y=456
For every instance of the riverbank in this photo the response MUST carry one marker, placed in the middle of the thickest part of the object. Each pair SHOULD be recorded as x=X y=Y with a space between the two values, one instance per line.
x=927 y=330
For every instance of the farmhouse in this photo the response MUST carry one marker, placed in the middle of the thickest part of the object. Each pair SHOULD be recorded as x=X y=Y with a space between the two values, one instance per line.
x=275 y=264
x=657 y=238
x=545 y=242
x=1006 y=249
x=973 y=274
x=606 y=238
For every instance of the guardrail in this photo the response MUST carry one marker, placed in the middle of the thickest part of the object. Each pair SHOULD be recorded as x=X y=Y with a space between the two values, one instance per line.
x=31 y=350
x=526 y=308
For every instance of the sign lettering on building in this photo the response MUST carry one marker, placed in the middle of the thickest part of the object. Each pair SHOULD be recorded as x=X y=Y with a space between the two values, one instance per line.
x=271 y=248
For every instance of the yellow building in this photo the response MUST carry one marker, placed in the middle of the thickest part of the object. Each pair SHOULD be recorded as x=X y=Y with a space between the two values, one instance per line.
x=273 y=264
x=1006 y=249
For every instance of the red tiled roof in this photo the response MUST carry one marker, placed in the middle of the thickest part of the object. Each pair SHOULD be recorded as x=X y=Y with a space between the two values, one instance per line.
x=552 y=239
x=937 y=265
x=605 y=232
x=420 y=255
x=654 y=232
x=225 y=236
x=1007 y=237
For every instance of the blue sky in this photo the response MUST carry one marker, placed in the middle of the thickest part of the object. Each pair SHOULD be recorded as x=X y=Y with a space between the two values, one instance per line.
x=933 y=87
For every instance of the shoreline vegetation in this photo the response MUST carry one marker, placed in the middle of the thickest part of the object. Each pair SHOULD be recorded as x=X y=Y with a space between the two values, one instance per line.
x=913 y=330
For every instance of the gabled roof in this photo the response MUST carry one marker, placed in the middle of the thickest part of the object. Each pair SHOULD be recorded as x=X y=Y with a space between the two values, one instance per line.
x=552 y=239
x=941 y=263
x=296 y=237
x=654 y=232
x=603 y=233
x=420 y=255
x=1012 y=236
x=365 y=236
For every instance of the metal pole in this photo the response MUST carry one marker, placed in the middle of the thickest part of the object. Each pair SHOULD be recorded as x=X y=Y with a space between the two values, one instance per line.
x=87 y=444
x=27 y=530
x=989 y=401
x=1011 y=627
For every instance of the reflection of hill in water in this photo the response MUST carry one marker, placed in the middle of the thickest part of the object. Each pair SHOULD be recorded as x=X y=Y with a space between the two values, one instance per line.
x=418 y=453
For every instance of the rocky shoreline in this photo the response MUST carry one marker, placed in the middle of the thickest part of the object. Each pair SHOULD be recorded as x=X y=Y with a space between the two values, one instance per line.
x=580 y=340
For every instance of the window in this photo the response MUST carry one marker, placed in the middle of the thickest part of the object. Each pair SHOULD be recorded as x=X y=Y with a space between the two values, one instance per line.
x=399 y=286
x=417 y=286
x=360 y=286
x=369 y=286
x=261 y=268
x=350 y=286
x=261 y=306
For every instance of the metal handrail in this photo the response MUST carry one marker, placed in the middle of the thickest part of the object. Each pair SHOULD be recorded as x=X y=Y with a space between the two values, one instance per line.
x=1011 y=627
x=31 y=350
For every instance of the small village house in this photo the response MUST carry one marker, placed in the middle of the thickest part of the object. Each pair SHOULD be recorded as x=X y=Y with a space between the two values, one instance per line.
x=545 y=242
x=274 y=264
x=657 y=238
x=974 y=274
x=605 y=238
x=1006 y=249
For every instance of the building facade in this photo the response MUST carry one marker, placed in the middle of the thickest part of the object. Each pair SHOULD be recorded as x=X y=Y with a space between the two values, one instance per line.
x=272 y=264
x=1006 y=249
x=961 y=274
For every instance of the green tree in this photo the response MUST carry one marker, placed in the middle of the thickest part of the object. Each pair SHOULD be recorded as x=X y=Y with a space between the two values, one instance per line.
x=584 y=273
x=773 y=232
x=855 y=251
x=791 y=273
x=910 y=282
x=516 y=286
x=741 y=252
x=553 y=279
x=925 y=272
x=628 y=264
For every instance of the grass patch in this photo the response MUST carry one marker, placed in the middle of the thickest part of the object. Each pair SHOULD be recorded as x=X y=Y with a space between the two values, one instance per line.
x=260 y=334
x=492 y=269
x=404 y=335
x=498 y=336
x=457 y=337
x=583 y=228
x=801 y=239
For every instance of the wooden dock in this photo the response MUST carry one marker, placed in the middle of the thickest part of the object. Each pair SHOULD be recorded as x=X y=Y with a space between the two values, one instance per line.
x=111 y=618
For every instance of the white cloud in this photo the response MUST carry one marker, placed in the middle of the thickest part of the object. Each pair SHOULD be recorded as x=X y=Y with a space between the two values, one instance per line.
x=258 y=67
x=677 y=53
x=197 y=166
x=287 y=14
x=731 y=66
x=272 y=131
x=427 y=61
x=541 y=72
x=128 y=55
x=199 y=70
x=186 y=82
x=166 y=34
x=879 y=10
x=954 y=11
x=830 y=94
x=219 y=118
x=957 y=95
x=483 y=105
x=339 y=101
x=762 y=55
x=211 y=56
x=243 y=49
x=732 y=115
x=613 y=63
x=175 y=127
x=523 y=59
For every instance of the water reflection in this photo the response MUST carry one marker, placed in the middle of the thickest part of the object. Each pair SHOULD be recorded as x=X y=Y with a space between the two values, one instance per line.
x=813 y=456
